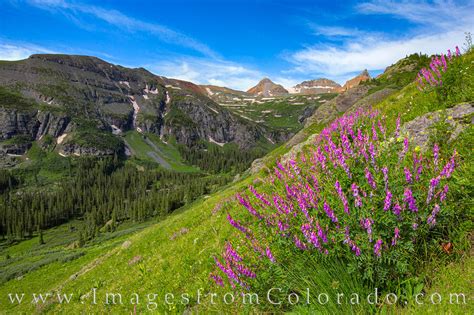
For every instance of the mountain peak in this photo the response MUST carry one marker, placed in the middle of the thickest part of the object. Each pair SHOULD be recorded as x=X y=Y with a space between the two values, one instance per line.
x=363 y=76
x=267 y=88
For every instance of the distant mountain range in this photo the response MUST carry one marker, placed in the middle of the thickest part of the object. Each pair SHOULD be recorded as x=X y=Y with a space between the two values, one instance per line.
x=266 y=88
x=84 y=106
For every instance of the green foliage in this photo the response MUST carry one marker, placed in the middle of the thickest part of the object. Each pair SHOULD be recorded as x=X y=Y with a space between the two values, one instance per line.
x=215 y=159
x=101 y=190
x=11 y=99
x=96 y=139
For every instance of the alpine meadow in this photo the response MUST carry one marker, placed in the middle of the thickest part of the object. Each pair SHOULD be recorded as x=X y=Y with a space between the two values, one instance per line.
x=240 y=157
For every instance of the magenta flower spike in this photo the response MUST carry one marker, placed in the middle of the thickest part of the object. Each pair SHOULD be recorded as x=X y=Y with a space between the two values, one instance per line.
x=378 y=247
x=370 y=178
x=443 y=193
x=396 y=236
x=269 y=254
x=410 y=200
x=387 y=201
x=408 y=176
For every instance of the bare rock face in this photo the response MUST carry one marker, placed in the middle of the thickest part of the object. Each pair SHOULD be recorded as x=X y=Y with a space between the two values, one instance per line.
x=419 y=129
x=267 y=88
x=341 y=103
x=33 y=124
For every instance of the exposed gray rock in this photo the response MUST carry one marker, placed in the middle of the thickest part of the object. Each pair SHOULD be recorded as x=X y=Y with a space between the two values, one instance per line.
x=419 y=129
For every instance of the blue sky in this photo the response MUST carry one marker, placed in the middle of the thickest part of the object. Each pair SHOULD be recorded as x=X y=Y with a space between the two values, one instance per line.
x=236 y=43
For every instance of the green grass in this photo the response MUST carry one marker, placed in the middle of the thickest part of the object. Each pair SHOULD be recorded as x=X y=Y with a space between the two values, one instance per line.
x=168 y=151
x=11 y=99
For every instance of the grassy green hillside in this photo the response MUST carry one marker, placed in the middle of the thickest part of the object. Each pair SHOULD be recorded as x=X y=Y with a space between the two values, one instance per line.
x=175 y=255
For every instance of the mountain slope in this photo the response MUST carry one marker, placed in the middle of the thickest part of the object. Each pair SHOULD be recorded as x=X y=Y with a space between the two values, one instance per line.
x=78 y=100
x=175 y=255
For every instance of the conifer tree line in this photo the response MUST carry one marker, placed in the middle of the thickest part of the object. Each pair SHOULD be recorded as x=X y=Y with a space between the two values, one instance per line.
x=102 y=193
x=220 y=160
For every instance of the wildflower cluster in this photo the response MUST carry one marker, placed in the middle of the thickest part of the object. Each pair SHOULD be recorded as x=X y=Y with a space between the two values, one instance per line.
x=357 y=193
x=432 y=75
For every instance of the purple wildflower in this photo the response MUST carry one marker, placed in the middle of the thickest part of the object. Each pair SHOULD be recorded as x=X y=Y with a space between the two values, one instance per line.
x=245 y=271
x=259 y=196
x=397 y=209
x=449 y=167
x=378 y=247
x=410 y=200
x=405 y=147
x=396 y=236
x=355 y=193
x=299 y=243
x=231 y=254
x=431 y=220
x=433 y=184
x=269 y=254
x=408 y=176
x=217 y=279
x=343 y=198
x=388 y=201
x=329 y=212
x=370 y=178
x=367 y=225
x=236 y=224
x=246 y=203
x=397 y=128
x=435 y=155
x=374 y=133
x=444 y=192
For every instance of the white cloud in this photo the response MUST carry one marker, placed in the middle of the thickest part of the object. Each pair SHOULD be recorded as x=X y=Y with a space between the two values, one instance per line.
x=205 y=71
x=72 y=10
x=438 y=26
x=372 y=55
x=10 y=51
x=440 y=14
x=335 y=31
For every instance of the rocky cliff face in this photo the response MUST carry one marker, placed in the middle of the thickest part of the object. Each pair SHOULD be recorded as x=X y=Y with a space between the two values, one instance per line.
x=72 y=94
x=33 y=123
x=317 y=86
x=363 y=76
x=267 y=88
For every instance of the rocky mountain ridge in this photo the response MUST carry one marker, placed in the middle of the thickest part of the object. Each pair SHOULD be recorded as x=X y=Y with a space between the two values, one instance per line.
x=317 y=86
x=84 y=103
